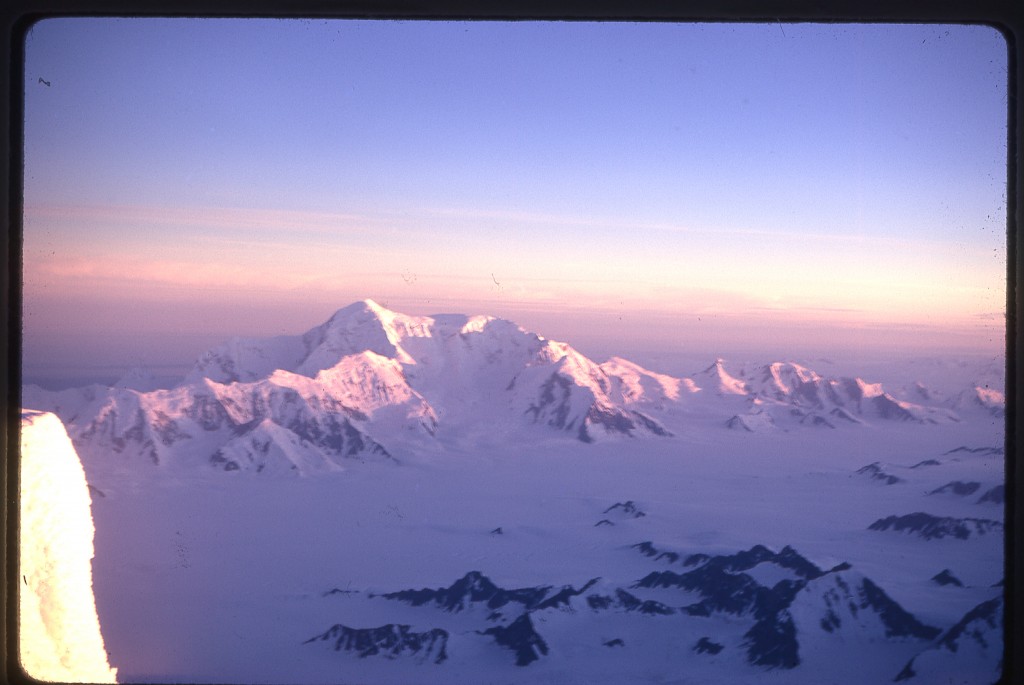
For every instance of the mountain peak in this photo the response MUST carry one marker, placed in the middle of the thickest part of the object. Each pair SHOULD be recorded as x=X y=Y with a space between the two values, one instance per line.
x=358 y=307
x=719 y=381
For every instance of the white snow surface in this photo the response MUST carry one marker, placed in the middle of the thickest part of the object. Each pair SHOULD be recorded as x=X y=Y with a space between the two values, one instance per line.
x=60 y=636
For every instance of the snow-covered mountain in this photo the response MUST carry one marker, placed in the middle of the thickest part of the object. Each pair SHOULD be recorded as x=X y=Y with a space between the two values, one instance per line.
x=969 y=652
x=786 y=607
x=796 y=394
x=390 y=641
x=370 y=381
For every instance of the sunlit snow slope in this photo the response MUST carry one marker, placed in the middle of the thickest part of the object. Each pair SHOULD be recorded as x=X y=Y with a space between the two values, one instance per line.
x=60 y=633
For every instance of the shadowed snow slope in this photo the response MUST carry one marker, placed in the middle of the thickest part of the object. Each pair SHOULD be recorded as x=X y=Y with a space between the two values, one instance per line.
x=60 y=633
x=969 y=652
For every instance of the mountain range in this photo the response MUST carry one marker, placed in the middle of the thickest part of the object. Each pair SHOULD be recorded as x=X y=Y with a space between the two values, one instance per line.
x=370 y=383
x=785 y=606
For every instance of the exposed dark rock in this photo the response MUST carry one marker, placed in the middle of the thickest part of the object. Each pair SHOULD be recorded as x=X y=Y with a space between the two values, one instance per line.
x=875 y=472
x=627 y=509
x=890 y=409
x=794 y=561
x=335 y=435
x=983 y=626
x=629 y=602
x=521 y=637
x=737 y=423
x=843 y=414
x=926 y=462
x=603 y=522
x=930 y=527
x=816 y=420
x=650 y=424
x=897 y=621
x=706 y=646
x=166 y=429
x=613 y=421
x=389 y=640
x=772 y=642
x=957 y=487
x=723 y=591
x=787 y=558
x=616 y=642
x=997 y=495
x=907 y=673
x=559 y=414
x=986 y=619
x=497 y=531
x=976 y=450
x=945 y=577
x=563 y=596
x=694 y=559
x=646 y=548
x=208 y=412
x=476 y=588
x=649 y=550
x=724 y=587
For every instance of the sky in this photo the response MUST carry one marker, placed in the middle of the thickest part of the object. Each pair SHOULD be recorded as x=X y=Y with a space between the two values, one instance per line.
x=631 y=188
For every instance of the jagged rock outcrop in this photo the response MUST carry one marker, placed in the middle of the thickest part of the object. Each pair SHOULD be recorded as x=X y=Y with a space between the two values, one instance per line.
x=957 y=487
x=875 y=472
x=932 y=527
x=628 y=602
x=522 y=638
x=946 y=577
x=388 y=640
x=474 y=588
x=838 y=597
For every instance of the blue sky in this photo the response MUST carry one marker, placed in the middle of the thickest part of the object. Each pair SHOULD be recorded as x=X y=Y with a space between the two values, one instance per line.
x=193 y=179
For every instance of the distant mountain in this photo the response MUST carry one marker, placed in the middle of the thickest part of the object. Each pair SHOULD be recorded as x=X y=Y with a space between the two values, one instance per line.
x=785 y=604
x=282 y=423
x=716 y=380
x=946 y=577
x=388 y=640
x=789 y=598
x=476 y=589
x=370 y=380
x=931 y=527
x=979 y=400
x=957 y=487
x=788 y=393
x=874 y=471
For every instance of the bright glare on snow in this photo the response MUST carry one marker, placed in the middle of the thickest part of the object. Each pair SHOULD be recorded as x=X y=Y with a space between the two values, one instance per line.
x=59 y=633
